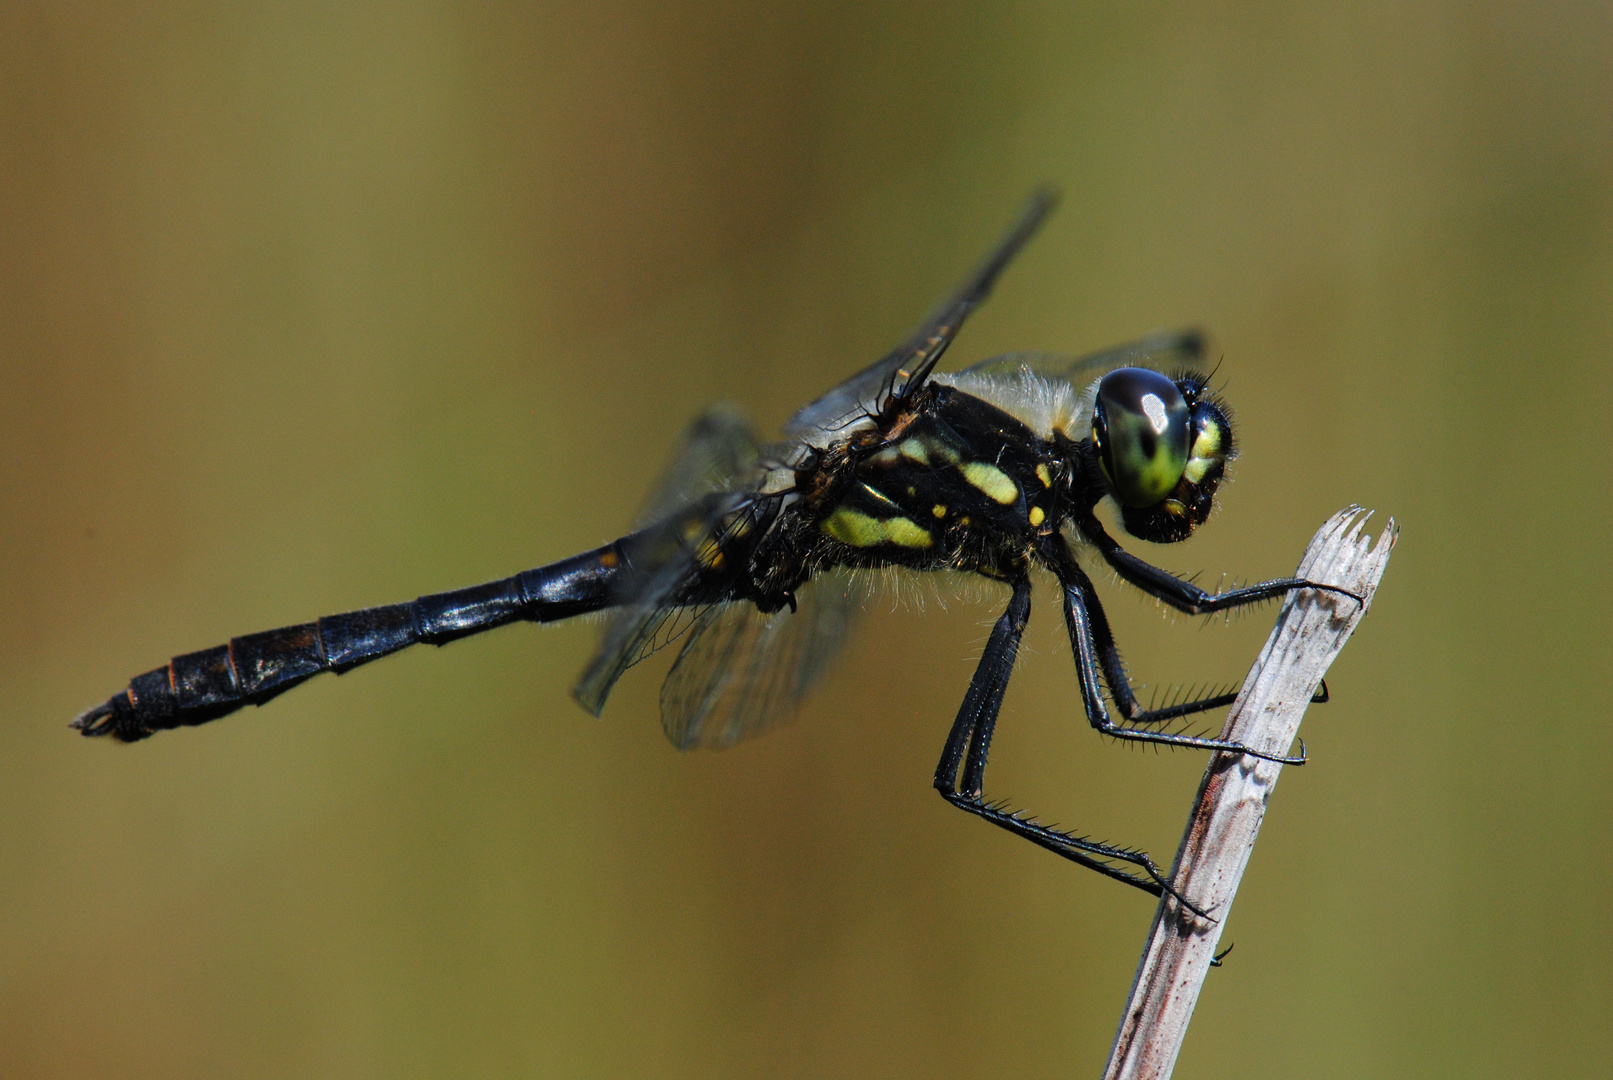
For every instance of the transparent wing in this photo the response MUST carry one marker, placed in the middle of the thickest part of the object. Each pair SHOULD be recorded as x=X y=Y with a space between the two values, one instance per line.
x=1164 y=351
x=650 y=621
x=742 y=672
x=719 y=452
x=667 y=588
x=912 y=361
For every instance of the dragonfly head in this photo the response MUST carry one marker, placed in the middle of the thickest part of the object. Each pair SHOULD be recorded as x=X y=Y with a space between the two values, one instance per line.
x=1163 y=445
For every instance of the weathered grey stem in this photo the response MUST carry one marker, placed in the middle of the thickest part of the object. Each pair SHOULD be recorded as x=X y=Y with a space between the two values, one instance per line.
x=1310 y=632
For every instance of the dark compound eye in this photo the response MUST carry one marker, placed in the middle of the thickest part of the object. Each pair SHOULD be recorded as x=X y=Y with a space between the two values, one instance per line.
x=1140 y=424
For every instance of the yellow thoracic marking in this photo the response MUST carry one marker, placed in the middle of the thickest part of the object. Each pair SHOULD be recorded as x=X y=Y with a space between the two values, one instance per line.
x=1196 y=468
x=1044 y=475
x=938 y=510
x=854 y=528
x=1037 y=515
x=991 y=480
x=906 y=534
x=915 y=450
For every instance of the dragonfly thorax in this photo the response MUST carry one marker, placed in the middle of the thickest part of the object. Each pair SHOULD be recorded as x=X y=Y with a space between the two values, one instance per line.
x=949 y=482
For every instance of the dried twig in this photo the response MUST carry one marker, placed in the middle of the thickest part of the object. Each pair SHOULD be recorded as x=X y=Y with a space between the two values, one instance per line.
x=1232 y=798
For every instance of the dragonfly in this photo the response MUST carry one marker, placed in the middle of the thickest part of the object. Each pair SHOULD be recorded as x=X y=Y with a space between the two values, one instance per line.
x=753 y=557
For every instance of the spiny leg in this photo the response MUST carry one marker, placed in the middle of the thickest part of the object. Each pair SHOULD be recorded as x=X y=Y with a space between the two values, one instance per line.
x=1093 y=645
x=1114 y=670
x=1135 y=714
x=969 y=742
x=1183 y=595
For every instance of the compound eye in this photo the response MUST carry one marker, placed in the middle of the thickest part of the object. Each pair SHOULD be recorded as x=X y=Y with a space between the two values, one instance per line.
x=1140 y=425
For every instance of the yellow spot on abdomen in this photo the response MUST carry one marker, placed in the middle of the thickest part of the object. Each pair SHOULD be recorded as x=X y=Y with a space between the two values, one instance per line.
x=991 y=480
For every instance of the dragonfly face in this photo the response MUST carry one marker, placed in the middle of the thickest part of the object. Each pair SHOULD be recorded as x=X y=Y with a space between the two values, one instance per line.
x=1163 y=445
x=750 y=557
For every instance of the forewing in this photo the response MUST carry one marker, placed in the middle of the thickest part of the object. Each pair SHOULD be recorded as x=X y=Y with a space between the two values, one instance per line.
x=909 y=364
x=742 y=672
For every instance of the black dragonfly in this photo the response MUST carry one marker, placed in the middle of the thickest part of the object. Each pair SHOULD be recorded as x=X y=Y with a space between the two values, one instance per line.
x=754 y=557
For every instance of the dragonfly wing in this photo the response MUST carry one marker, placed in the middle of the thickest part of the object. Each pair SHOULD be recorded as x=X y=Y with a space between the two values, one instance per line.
x=652 y=619
x=742 y=672
x=719 y=451
x=1167 y=351
x=666 y=586
x=910 y=364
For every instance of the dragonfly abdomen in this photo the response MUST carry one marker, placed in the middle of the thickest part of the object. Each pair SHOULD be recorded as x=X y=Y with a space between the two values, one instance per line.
x=202 y=686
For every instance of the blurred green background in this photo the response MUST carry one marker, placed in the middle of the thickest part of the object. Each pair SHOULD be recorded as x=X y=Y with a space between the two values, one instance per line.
x=310 y=307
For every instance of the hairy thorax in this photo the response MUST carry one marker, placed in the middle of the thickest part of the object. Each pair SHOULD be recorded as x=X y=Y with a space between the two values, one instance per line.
x=949 y=482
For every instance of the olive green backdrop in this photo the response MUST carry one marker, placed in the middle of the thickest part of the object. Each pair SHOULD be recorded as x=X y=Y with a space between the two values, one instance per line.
x=304 y=310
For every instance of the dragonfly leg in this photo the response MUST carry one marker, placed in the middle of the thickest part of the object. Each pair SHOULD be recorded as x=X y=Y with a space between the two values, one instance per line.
x=1183 y=595
x=1095 y=652
x=1125 y=698
x=969 y=742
